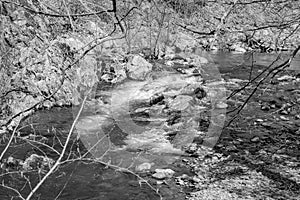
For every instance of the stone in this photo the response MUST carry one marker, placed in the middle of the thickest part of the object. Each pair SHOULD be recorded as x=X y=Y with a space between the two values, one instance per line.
x=286 y=78
x=259 y=120
x=11 y=160
x=255 y=139
x=181 y=102
x=138 y=68
x=119 y=76
x=170 y=63
x=196 y=179
x=160 y=182
x=221 y=105
x=265 y=108
x=231 y=148
x=143 y=167
x=214 y=48
x=163 y=173
x=239 y=50
x=236 y=80
x=267 y=124
x=203 y=60
x=178 y=57
x=284 y=118
x=284 y=112
x=199 y=59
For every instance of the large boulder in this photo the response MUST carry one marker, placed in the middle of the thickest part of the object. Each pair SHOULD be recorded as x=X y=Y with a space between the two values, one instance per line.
x=138 y=68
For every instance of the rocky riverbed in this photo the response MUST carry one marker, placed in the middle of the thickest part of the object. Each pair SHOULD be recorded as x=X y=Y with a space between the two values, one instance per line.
x=163 y=126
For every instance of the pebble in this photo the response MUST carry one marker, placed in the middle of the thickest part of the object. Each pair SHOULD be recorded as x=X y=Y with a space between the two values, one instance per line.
x=231 y=148
x=196 y=179
x=259 y=120
x=169 y=63
x=255 y=139
x=11 y=160
x=284 y=118
x=180 y=182
x=265 y=108
x=160 y=182
x=285 y=78
x=267 y=124
x=221 y=105
x=284 y=112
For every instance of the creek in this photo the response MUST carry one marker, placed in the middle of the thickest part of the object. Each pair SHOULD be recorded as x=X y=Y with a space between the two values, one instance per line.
x=134 y=123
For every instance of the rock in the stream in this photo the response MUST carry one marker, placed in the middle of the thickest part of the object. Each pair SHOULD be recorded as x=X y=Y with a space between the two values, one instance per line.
x=284 y=118
x=163 y=173
x=181 y=102
x=255 y=139
x=240 y=50
x=198 y=60
x=138 y=68
x=265 y=107
x=221 y=105
x=196 y=179
x=144 y=167
x=267 y=125
x=284 y=112
x=259 y=120
x=286 y=78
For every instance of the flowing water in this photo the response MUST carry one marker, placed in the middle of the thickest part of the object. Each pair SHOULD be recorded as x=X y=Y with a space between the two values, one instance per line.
x=85 y=180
